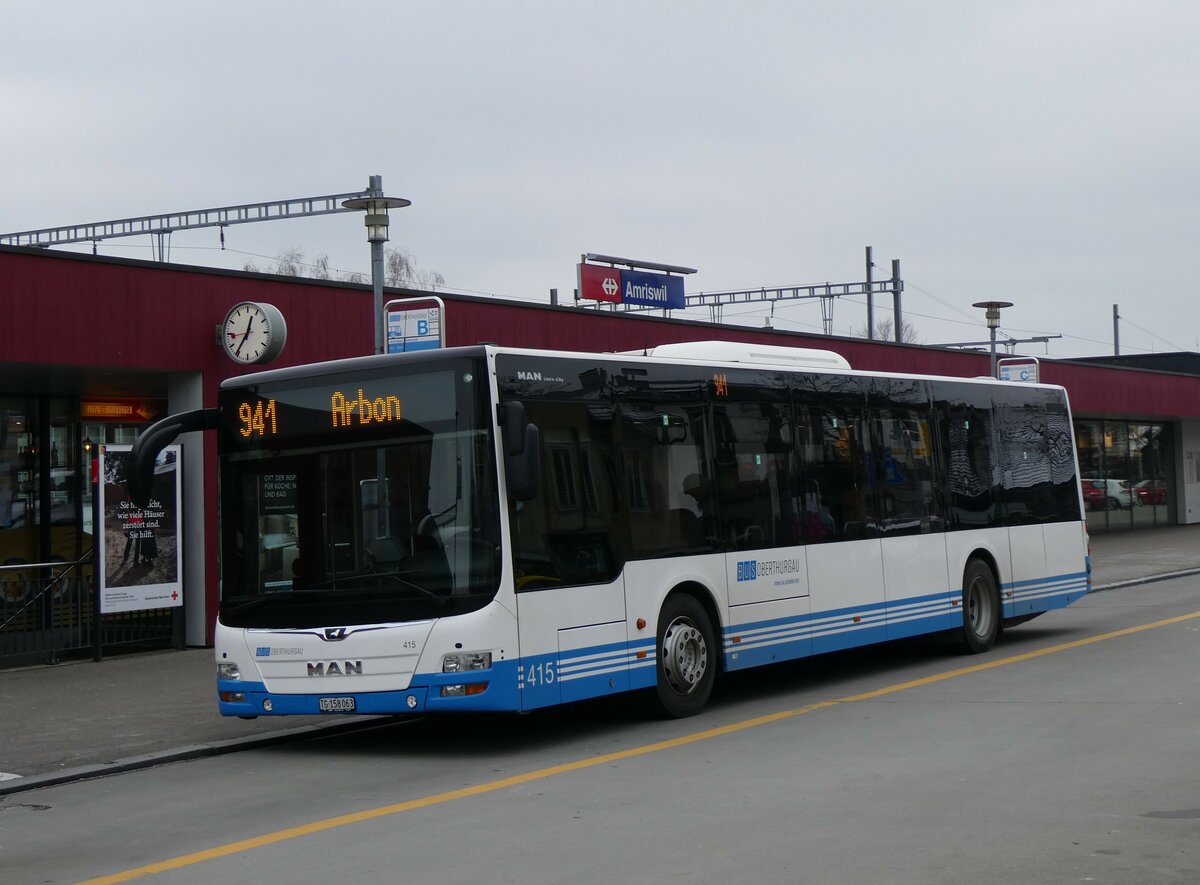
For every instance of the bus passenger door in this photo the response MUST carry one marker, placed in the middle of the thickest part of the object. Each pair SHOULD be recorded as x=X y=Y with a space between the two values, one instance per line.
x=845 y=566
x=570 y=592
x=766 y=570
x=908 y=509
x=1026 y=471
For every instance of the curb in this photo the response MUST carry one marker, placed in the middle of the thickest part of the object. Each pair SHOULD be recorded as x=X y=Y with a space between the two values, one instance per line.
x=1149 y=579
x=181 y=754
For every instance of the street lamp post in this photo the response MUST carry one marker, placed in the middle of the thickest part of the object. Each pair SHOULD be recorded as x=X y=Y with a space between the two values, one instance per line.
x=376 y=206
x=992 y=314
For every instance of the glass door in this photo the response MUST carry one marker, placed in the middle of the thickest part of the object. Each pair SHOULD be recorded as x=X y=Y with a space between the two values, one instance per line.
x=19 y=494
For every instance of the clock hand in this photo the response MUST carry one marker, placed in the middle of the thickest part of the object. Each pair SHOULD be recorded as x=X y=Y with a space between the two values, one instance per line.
x=245 y=335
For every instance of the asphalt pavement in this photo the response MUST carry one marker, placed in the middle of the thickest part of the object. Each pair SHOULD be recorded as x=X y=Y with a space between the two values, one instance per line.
x=79 y=719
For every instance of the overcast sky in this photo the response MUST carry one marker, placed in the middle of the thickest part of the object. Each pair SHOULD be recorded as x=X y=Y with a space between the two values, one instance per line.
x=1044 y=153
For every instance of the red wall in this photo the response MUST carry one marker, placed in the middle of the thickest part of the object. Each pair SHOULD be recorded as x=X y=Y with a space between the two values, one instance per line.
x=90 y=312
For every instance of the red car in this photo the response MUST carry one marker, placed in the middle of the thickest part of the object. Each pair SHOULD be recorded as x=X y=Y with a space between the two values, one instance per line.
x=1151 y=491
x=1108 y=494
x=1093 y=494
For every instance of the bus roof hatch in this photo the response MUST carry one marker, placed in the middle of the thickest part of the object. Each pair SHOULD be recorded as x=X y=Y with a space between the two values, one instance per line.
x=759 y=354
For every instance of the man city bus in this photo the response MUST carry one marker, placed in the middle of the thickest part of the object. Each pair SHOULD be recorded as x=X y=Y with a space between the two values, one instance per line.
x=488 y=528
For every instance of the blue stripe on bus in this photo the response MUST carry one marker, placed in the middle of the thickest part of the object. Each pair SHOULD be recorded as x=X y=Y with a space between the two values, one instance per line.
x=1043 y=594
x=762 y=642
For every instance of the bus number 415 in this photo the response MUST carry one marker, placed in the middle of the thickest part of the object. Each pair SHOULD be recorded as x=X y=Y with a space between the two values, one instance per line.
x=540 y=674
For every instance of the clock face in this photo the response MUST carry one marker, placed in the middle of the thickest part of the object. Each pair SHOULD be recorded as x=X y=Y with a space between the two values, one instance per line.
x=253 y=333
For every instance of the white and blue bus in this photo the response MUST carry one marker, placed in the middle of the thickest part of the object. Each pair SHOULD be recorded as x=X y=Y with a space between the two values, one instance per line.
x=487 y=528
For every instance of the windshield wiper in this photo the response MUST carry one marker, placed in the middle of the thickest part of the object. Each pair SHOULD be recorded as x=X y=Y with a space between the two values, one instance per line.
x=368 y=577
x=341 y=581
x=256 y=601
x=237 y=607
x=439 y=598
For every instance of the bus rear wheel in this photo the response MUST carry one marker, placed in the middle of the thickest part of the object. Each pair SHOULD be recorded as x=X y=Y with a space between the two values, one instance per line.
x=981 y=608
x=686 y=662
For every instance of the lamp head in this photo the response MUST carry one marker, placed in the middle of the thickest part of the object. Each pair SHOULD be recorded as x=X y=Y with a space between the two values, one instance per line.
x=992 y=311
x=376 y=218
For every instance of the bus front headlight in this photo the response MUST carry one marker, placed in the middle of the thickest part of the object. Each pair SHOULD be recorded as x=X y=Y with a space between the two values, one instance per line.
x=461 y=662
x=228 y=670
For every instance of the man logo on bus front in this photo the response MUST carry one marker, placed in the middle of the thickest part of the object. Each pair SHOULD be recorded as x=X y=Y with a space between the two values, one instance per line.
x=335 y=634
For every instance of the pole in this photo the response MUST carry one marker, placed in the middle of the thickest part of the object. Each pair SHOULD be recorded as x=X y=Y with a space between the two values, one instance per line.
x=376 y=190
x=377 y=289
x=870 y=297
x=97 y=559
x=896 y=300
x=993 y=331
x=1116 y=332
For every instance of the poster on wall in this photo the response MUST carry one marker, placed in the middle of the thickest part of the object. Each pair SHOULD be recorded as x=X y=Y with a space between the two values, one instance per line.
x=139 y=547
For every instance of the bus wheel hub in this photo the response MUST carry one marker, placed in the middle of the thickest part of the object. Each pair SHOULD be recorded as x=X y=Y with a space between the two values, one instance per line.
x=685 y=655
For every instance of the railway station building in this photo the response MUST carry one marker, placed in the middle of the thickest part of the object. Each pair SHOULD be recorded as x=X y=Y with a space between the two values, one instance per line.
x=98 y=348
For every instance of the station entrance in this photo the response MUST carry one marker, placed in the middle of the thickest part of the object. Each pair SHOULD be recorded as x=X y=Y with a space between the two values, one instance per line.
x=47 y=598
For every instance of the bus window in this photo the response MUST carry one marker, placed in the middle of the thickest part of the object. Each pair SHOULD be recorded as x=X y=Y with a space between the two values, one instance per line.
x=833 y=454
x=753 y=454
x=564 y=535
x=1036 y=464
x=904 y=471
x=667 y=486
x=972 y=473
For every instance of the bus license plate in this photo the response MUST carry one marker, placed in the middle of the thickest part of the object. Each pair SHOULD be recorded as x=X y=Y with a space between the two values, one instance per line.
x=336 y=705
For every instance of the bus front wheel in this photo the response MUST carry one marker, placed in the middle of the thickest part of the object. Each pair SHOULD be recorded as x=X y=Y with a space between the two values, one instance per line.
x=981 y=608
x=686 y=657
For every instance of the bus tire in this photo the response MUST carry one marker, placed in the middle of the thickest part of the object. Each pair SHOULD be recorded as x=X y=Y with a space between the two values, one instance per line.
x=685 y=657
x=981 y=608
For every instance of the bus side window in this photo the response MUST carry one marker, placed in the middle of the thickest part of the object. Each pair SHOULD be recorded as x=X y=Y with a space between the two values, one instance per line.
x=564 y=535
x=754 y=468
x=666 y=483
x=834 y=464
x=972 y=479
x=1060 y=450
x=904 y=471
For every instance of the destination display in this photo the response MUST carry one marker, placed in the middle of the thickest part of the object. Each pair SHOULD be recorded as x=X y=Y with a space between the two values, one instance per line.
x=257 y=416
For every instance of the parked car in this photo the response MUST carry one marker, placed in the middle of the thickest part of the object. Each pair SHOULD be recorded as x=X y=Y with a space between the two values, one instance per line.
x=1109 y=494
x=1093 y=494
x=1151 y=491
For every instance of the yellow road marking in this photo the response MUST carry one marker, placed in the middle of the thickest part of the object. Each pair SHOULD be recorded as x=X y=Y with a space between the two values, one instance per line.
x=278 y=836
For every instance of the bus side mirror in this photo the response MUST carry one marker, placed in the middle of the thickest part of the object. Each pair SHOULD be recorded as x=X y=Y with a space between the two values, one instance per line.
x=153 y=440
x=522 y=451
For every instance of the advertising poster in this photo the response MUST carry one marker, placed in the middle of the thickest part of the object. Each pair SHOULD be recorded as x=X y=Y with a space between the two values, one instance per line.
x=139 y=547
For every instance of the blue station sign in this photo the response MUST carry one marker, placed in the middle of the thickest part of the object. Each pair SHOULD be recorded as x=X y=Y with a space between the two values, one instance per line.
x=651 y=289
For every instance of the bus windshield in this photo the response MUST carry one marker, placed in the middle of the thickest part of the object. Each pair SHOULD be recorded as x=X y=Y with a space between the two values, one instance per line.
x=359 y=498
